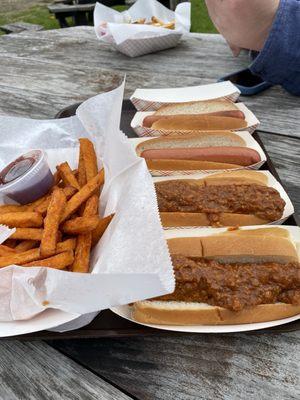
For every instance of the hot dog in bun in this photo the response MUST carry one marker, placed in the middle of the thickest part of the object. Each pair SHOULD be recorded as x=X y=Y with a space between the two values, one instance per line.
x=237 y=277
x=237 y=198
x=209 y=151
x=197 y=115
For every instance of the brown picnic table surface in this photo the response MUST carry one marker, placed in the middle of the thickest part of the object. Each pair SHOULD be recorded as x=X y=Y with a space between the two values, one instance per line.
x=43 y=72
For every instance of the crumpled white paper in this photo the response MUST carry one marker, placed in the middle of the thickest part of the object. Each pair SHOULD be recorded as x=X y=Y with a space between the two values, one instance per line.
x=134 y=40
x=131 y=261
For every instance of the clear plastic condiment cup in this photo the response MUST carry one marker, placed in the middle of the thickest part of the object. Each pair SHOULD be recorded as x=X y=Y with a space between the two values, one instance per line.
x=26 y=178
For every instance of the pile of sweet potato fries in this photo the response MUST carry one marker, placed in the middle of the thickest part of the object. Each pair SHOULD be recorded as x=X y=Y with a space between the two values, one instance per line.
x=59 y=229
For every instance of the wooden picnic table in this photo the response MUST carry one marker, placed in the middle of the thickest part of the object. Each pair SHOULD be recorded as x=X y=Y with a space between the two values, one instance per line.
x=43 y=72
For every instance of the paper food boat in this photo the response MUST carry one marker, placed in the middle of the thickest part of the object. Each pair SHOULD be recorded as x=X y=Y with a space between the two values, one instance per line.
x=140 y=130
x=153 y=99
x=124 y=265
x=250 y=143
x=126 y=311
x=135 y=40
x=272 y=182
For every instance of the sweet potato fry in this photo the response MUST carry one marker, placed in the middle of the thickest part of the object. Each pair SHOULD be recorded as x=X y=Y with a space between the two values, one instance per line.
x=81 y=177
x=67 y=175
x=26 y=245
x=91 y=205
x=84 y=241
x=89 y=158
x=84 y=193
x=33 y=205
x=10 y=208
x=11 y=243
x=28 y=234
x=25 y=219
x=18 y=258
x=56 y=177
x=69 y=191
x=5 y=250
x=49 y=238
x=101 y=228
x=34 y=254
x=80 y=225
x=66 y=245
x=59 y=261
x=82 y=253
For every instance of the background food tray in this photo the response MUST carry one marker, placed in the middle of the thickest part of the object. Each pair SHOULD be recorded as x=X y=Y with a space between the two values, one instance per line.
x=108 y=324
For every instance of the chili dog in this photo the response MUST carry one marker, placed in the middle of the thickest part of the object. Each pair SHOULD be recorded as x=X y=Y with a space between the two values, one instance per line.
x=150 y=119
x=227 y=199
x=236 y=277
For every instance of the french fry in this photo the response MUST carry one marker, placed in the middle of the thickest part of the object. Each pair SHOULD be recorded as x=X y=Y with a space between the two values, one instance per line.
x=84 y=241
x=66 y=245
x=56 y=177
x=5 y=250
x=156 y=20
x=26 y=245
x=9 y=208
x=169 y=25
x=69 y=191
x=10 y=243
x=25 y=219
x=139 y=21
x=33 y=205
x=90 y=166
x=101 y=228
x=84 y=193
x=34 y=254
x=28 y=234
x=80 y=225
x=67 y=175
x=81 y=177
x=55 y=210
x=59 y=261
x=82 y=253
x=89 y=158
x=19 y=258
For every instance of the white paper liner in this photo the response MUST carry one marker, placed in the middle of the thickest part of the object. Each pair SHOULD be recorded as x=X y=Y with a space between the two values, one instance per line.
x=140 y=130
x=272 y=182
x=153 y=99
x=135 y=40
x=250 y=143
x=132 y=257
x=126 y=311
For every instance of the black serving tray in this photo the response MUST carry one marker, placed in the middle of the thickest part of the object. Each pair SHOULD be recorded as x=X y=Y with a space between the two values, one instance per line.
x=108 y=324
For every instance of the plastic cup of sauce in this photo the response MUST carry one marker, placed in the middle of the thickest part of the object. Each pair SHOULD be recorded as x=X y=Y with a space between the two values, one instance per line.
x=26 y=178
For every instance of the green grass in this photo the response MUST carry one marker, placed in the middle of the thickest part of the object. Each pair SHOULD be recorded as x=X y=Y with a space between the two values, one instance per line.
x=200 y=18
x=41 y=16
x=34 y=15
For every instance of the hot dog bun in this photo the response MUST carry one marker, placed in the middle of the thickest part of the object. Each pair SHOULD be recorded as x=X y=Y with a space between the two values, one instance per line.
x=199 y=123
x=208 y=151
x=150 y=119
x=197 y=107
x=244 y=177
x=187 y=313
x=242 y=246
x=188 y=165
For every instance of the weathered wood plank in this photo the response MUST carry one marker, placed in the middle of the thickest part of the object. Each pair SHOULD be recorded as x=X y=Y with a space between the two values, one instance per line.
x=285 y=155
x=235 y=367
x=71 y=51
x=37 y=371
